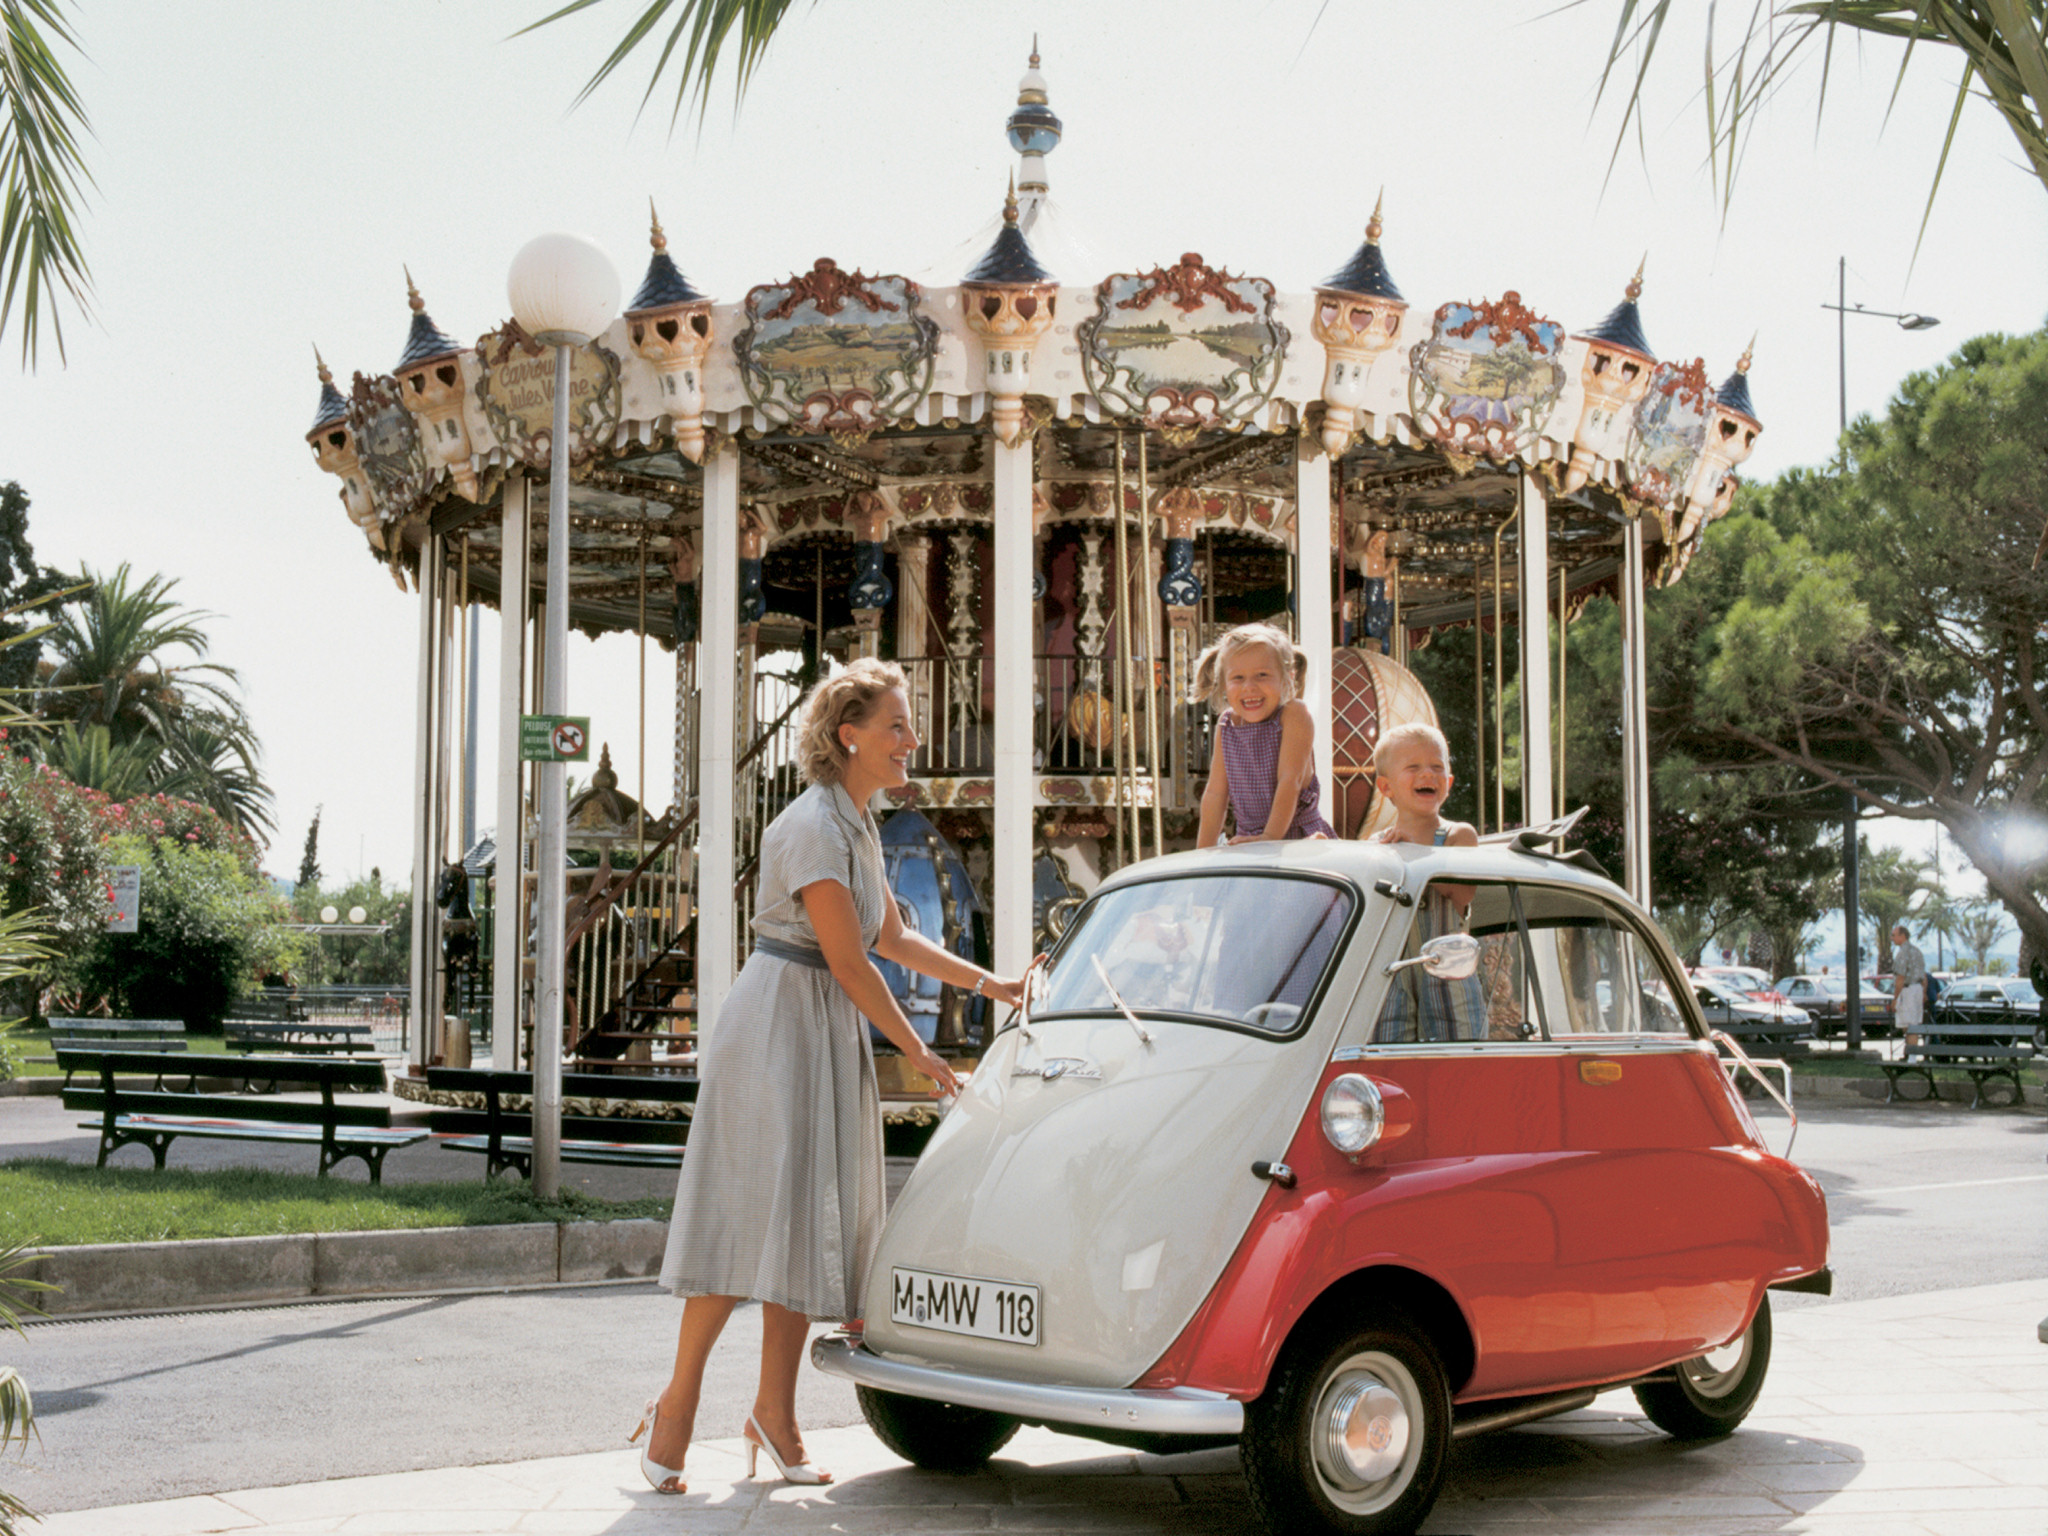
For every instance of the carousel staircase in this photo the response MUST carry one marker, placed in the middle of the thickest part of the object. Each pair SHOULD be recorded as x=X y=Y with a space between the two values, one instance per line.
x=650 y=1024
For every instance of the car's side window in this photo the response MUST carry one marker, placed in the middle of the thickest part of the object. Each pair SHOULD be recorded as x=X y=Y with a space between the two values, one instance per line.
x=1493 y=1004
x=1596 y=976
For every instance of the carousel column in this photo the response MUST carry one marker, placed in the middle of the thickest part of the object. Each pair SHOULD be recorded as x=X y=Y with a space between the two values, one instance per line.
x=1532 y=592
x=716 y=719
x=508 y=928
x=1013 y=572
x=870 y=593
x=913 y=582
x=1635 y=720
x=423 y=973
x=1180 y=590
x=1316 y=622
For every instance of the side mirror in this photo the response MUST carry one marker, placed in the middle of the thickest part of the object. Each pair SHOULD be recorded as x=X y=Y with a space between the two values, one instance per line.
x=1451 y=957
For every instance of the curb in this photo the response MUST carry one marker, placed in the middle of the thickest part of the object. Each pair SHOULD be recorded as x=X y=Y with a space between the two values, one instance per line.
x=121 y=1279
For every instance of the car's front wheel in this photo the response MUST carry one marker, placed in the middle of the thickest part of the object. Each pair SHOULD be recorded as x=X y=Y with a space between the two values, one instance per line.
x=1352 y=1431
x=943 y=1437
x=1712 y=1394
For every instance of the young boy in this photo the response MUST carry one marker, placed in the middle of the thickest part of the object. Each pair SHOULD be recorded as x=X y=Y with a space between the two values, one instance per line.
x=1411 y=765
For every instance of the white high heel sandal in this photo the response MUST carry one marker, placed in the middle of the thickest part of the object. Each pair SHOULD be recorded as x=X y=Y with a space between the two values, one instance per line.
x=661 y=1479
x=802 y=1472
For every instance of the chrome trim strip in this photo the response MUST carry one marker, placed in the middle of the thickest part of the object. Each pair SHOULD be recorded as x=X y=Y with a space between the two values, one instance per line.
x=1175 y=1411
x=1665 y=1044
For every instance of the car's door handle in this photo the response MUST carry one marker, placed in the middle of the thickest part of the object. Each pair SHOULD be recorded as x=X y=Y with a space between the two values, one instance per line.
x=1279 y=1173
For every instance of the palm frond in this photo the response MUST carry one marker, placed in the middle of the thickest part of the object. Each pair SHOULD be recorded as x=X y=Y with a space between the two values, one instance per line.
x=703 y=29
x=42 y=174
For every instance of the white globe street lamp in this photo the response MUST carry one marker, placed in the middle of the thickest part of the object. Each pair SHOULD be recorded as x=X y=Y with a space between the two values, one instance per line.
x=564 y=291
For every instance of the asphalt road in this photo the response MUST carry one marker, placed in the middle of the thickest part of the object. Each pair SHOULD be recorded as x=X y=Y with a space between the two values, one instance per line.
x=1922 y=1198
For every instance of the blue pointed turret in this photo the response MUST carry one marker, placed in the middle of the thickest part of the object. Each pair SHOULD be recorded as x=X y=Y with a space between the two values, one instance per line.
x=1733 y=395
x=1009 y=260
x=426 y=340
x=664 y=286
x=1366 y=273
x=1623 y=327
x=332 y=407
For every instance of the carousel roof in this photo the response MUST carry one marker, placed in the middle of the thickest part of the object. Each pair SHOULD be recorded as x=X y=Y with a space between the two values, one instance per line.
x=332 y=407
x=1733 y=395
x=1623 y=326
x=425 y=341
x=861 y=402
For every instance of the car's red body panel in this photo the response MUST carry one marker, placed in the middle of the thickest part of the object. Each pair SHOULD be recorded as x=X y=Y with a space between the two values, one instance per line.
x=1589 y=1225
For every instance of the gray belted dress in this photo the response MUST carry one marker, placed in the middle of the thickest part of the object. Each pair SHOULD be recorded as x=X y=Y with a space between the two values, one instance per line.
x=780 y=1194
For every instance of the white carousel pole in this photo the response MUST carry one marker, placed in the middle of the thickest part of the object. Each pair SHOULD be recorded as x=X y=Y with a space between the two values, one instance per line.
x=564 y=291
x=1635 y=719
x=717 y=646
x=1012 y=569
x=507 y=910
x=1316 y=626
x=1532 y=595
x=420 y=969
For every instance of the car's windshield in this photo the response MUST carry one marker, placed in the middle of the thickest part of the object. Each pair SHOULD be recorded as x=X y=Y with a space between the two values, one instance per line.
x=2022 y=991
x=1246 y=950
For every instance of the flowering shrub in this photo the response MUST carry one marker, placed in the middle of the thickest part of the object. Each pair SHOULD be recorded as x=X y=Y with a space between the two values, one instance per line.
x=208 y=928
x=52 y=858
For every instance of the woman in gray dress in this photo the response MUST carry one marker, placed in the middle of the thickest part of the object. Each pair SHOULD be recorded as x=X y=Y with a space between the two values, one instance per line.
x=780 y=1196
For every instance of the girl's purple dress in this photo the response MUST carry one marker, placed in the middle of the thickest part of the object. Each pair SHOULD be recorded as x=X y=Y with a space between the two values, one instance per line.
x=1251 y=758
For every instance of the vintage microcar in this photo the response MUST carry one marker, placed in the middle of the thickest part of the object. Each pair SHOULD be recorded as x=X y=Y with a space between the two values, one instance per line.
x=1266 y=1162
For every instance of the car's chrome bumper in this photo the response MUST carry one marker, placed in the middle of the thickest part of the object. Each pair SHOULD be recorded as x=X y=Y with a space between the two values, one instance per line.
x=1174 y=1411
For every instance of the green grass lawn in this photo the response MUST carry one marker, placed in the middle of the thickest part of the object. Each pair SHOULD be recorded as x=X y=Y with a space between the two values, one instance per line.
x=36 y=1042
x=52 y=1202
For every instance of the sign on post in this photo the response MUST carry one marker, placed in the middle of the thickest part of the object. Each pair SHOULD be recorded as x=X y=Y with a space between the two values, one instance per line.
x=554 y=738
x=124 y=881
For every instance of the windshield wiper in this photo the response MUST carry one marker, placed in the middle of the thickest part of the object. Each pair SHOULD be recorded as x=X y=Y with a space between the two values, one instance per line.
x=1117 y=997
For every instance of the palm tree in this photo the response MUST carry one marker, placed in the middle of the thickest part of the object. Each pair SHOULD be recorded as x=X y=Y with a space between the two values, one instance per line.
x=2002 y=46
x=42 y=173
x=1980 y=928
x=2003 y=53
x=125 y=704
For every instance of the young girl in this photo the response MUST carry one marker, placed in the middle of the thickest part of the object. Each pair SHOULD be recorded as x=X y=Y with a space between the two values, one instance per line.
x=1411 y=765
x=1263 y=766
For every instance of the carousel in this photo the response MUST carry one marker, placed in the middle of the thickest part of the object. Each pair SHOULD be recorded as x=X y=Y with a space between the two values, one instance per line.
x=1040 y=491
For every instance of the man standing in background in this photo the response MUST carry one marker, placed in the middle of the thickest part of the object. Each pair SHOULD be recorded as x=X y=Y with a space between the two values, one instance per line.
x=1909 y=996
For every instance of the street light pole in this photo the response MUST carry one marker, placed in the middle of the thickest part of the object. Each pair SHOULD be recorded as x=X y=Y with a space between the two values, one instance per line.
x=564 y=291
x=1852 y=920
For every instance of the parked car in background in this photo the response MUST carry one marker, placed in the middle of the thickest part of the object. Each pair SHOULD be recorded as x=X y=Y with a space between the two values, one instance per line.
x=1996 y=1000
x=1264 y=1164
x=1826 y=998
x=1747 y=1016
x=1744 y=978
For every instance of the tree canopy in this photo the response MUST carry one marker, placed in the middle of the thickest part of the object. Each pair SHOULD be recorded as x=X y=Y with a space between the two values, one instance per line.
x=1887 y=635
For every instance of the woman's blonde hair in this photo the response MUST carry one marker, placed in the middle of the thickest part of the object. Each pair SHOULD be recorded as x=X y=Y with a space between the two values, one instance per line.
x=1213 y=665
x=1407 y=735
x=847 y=697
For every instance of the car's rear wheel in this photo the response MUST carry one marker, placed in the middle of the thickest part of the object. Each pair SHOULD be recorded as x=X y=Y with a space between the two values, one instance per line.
x=943 y=1437
x=1712 y=1394
x=1352 y=1431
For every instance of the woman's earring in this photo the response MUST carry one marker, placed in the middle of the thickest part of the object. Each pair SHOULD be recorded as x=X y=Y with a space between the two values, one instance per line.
x=853 y=749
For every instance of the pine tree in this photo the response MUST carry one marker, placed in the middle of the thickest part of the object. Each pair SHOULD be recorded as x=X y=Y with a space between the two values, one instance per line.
x=309 y=861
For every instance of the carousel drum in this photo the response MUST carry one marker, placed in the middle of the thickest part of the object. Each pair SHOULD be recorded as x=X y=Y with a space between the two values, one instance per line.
x=1369 y=692
x=1091 y=720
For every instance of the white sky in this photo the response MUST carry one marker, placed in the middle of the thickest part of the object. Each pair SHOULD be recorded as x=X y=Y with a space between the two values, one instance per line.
x=265 y=166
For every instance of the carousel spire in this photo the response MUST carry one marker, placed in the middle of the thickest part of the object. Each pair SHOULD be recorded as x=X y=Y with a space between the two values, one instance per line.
x=1009 y=260
x=332 y=407
x=1366 y=273
x=669 y=324
x=664 y=284
x=425 y=341
x=1034 y=133
x=1622 y=329
x=1733 y=395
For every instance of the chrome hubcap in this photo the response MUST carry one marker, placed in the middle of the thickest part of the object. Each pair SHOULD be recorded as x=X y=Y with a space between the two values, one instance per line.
x=1365 y=1432
x=1716 y=1373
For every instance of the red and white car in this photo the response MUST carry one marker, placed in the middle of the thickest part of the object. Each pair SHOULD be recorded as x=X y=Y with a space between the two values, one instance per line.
x=1262 y=1166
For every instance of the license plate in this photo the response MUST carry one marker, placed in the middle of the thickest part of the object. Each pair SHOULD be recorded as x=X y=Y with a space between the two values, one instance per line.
x=981 y=1309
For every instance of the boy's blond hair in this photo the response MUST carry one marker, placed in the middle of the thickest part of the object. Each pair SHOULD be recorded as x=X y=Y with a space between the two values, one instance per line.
x=1213 y=665
x=1407 y=735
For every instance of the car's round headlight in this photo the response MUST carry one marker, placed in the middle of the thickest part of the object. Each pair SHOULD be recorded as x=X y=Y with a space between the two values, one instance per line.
x=1352 y=1114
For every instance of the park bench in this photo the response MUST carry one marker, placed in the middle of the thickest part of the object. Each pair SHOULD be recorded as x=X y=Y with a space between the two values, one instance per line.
x=266 y=1005
x=1986 y=1051
x=153 y=1118
x=157 y=1035
x=505 y=1136
x=299 y=1038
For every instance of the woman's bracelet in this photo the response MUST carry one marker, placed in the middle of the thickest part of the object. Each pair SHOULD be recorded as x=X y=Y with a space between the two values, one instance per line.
x=979 y=982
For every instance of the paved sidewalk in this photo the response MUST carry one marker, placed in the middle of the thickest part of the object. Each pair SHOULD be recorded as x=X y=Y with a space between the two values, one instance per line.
x=1920 y=1415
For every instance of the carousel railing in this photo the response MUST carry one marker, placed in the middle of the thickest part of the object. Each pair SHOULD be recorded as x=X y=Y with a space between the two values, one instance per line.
x=768 y=777
x=1073 y=697
x=622 y=921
